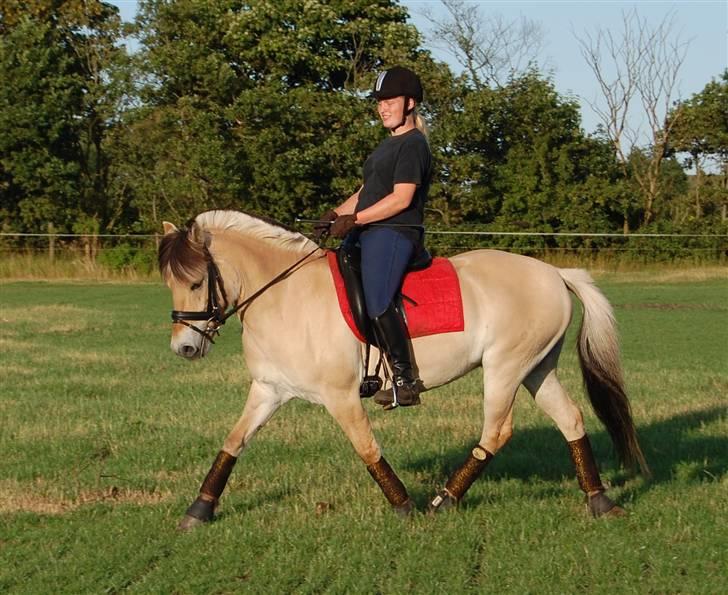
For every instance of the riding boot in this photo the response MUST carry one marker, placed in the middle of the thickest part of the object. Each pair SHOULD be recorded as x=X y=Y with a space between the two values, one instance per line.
x=391 y=333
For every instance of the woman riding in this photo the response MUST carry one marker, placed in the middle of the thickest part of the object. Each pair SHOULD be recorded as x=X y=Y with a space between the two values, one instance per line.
x=392 y=196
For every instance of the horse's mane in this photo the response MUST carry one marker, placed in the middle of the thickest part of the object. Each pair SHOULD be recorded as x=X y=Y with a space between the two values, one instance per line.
x=186 y=259
x=262 y=228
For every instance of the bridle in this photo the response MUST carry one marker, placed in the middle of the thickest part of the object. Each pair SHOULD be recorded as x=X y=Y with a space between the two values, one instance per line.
x=215 y=313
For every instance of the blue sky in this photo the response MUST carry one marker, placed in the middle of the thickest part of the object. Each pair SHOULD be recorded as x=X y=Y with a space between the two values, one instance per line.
x=703 y=22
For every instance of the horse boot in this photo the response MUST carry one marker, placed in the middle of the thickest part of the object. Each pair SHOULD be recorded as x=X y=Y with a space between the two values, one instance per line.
x=598 y=503
x=392 y=336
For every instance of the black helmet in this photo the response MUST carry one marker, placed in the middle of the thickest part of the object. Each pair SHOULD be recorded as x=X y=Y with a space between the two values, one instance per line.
x=398 y=81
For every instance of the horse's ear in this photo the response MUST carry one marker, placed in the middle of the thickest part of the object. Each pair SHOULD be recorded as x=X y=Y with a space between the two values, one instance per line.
x=199 y=235
x=169 y=227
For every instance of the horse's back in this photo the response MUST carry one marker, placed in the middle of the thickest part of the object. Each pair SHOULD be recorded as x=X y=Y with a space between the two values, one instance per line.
x=512 y=299
x=512 y=274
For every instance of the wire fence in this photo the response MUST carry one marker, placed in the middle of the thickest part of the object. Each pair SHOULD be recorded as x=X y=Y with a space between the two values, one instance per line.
x=138 y=251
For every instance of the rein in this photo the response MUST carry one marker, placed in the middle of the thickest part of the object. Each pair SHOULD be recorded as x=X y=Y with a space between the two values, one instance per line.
x=215 y=313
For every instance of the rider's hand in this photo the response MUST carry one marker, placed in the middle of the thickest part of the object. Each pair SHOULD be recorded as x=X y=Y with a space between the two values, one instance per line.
x=324 y=224
x=342 y=226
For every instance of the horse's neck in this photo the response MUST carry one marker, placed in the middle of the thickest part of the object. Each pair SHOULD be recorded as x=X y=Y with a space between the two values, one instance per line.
x=256 y=261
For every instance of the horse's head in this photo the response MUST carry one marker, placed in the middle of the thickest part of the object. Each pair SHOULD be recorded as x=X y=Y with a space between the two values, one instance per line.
x=194 y=261
x=198 y=294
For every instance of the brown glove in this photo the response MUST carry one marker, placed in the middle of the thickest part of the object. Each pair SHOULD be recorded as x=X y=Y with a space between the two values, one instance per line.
x=343 y=225
x=323 y=225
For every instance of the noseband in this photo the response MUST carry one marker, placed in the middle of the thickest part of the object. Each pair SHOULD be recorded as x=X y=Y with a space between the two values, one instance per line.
x=215 y=313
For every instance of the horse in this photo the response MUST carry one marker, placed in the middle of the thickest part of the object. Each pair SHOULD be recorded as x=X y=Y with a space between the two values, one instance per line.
x=296 y=344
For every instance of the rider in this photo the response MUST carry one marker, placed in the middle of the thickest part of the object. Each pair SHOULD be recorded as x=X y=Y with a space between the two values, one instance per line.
x=396 y=181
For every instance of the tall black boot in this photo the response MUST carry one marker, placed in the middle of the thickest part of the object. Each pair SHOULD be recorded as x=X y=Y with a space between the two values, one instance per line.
x=391 y=333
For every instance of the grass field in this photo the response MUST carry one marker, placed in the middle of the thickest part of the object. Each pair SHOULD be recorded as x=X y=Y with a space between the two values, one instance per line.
x=106 y=436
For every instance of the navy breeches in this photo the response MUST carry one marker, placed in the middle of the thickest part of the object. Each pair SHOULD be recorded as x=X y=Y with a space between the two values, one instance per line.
x=385 y=254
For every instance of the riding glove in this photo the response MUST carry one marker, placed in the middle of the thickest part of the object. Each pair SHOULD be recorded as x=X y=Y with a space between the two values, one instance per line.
x=323 y=225
x=343 y=225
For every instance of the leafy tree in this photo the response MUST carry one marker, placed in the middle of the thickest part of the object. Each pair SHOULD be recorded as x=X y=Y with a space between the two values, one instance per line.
x=40 y=153
x=516 y=158
x=701 y=131
x=259 y=105
x=56 y=105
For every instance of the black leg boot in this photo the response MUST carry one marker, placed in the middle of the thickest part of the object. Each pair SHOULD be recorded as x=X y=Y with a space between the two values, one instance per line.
x=391 y=333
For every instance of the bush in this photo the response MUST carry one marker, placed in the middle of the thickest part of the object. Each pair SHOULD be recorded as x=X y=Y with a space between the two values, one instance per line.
x=124 y=257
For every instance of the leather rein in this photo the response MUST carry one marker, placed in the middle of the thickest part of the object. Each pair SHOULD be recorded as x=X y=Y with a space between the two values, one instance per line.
x=215 y=313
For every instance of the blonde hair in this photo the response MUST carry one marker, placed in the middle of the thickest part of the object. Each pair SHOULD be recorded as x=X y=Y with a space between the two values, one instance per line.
x=420 y=123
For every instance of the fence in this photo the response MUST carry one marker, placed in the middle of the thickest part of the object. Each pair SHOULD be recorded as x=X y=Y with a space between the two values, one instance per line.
x=590 y=247
x=136 y=253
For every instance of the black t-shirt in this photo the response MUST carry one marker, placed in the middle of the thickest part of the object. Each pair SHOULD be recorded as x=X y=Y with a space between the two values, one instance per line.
x=403 y=158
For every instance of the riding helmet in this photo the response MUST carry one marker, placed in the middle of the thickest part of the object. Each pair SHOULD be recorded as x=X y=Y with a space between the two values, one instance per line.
x=398 y=81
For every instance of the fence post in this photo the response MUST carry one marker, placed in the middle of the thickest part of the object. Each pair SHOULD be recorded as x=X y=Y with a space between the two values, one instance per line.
x=51 y=242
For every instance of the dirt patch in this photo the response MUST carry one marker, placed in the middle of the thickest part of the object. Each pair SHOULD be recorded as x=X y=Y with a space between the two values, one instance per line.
x=16 y=497
x=91 y=357
x=677 y=275
x=60 y=319
x=17 y=370
x=8 y=343
x=662 y=306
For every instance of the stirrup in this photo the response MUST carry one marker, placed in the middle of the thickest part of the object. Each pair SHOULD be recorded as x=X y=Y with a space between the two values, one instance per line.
x=409 y=395
x=370 y=385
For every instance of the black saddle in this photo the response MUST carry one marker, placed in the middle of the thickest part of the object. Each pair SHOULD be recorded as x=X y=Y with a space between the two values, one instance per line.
x=349 y=260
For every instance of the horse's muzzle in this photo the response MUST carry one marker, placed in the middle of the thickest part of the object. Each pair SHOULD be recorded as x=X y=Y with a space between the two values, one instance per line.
x=188 y=351
x=190 y=345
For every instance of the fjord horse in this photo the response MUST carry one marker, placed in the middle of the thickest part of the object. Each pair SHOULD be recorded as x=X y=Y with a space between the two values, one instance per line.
x=296 y=344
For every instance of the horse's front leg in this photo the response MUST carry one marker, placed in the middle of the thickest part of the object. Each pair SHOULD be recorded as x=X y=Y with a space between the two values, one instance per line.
x=350 y=415
x=261 y=404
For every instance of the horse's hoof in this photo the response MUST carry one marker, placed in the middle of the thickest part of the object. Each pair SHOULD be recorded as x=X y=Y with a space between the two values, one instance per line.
x=601 y=505
x=405 y=510
x=201 y=511
x=615 y=511
x=188 y=523
x=442 y=502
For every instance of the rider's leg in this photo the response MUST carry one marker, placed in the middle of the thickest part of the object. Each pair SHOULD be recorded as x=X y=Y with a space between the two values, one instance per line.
x=391 y=332
x=385 y=256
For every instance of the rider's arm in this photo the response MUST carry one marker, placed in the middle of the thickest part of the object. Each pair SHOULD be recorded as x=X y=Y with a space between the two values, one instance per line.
x=390 y=205
x=347 y=207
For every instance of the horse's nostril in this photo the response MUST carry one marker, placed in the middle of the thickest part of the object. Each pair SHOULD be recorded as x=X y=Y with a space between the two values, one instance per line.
x=188 y=350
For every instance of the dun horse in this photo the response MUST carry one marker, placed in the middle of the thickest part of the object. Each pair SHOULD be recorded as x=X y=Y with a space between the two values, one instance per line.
x=297 y=344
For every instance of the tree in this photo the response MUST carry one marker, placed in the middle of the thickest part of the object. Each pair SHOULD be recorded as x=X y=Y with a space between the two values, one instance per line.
x=516 y=158
x=489 y=48
x=701 y=131
x=639 y=67
x=56 y=104
x=40 y=105
x=259 y=105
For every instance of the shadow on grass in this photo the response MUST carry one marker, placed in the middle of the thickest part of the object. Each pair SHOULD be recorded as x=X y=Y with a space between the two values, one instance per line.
x=674 y=448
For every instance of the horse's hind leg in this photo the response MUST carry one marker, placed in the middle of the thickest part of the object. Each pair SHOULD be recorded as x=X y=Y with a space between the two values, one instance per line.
x=500 y=392
x=259 y=407
x=551 y=397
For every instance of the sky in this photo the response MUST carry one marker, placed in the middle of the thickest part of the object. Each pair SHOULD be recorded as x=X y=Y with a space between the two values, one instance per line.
x=704 y=23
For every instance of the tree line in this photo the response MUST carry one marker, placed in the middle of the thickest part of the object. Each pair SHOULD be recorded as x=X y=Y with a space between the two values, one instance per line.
x=263 y=106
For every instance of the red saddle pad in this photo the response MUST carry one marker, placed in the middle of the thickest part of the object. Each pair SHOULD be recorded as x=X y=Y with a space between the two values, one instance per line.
x=437 y=307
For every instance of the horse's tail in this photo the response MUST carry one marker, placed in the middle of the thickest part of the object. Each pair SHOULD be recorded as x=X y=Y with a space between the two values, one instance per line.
x=598 y=349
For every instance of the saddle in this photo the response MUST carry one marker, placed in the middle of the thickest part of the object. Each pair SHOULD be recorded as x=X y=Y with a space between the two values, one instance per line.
x=429 y=299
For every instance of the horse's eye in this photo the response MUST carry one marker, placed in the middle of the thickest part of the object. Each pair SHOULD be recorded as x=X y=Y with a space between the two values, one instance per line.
x=196 y=286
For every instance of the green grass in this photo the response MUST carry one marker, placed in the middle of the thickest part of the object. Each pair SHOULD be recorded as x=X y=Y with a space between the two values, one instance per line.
x=106 y=436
